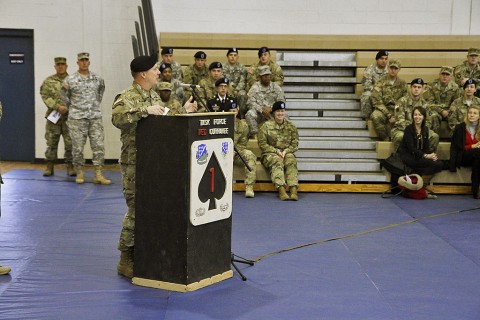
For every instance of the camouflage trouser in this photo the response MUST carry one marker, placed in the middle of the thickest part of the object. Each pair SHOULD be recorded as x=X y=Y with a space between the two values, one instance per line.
x=437 y=123
x=53 y=132
x=254 y=118
x=397 y=137
x=127 y=236
x=242 y=105
x=366 y=106
x=251 y=160
x=381 y=124
x=80 y=129
x=282 y=171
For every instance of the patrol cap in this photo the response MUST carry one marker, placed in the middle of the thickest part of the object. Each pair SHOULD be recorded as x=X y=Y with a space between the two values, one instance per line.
x=83 y=55
x=279 y=105
x=262 y=50
x=469 y=81
x=381 y=53
x=220 y=81
x=215 y=65
x=394 y=63
x=167 y=86
x=164 y=66
x=142 y=63
x=474 y=52
x=235 y=50
x=446 y=69
x=166 y=50
x=264 y=70
x=200 y=55
x=417 y=81
x=60 y=60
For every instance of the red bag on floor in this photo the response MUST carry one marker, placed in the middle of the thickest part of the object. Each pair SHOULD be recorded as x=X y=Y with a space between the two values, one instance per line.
x=412 y=187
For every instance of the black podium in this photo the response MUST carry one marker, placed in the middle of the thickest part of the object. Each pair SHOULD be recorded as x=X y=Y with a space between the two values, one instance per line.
x=183 y=201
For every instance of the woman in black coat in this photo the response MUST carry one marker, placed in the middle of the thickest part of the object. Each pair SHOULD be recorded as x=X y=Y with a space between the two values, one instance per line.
x=415 y=149
x=465 y=147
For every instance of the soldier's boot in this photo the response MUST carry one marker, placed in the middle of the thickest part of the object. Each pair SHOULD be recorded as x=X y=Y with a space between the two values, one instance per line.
x=125 y=265
x=70 y=170
x=99 y=178
x=49 y=169
x=4 y=270
x=282 y=194
x=426 y=182
x=293 y=194
x=249 y=191
x=80 y=177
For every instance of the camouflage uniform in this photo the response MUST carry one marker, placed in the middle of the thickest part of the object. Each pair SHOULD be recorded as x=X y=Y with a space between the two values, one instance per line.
x=252 y=74
x=129 y=107
x=240 y=141
x=50 y=92
x=177 y=72
x=458 y=110
x=403 y=117
x=258 y=97
x=371 y=75
x=209 y=91
x=464 y=71
x=82 y=96
x=273 y=137
x=385 y=95
x=174 y=106
x=439 y=98
x=237 y=74
x=193 y=76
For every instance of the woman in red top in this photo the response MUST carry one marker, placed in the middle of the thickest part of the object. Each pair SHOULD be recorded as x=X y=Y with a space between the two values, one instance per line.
x=465 y=147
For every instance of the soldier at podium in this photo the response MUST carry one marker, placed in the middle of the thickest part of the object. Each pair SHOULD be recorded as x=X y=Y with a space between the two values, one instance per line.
x=130 y=106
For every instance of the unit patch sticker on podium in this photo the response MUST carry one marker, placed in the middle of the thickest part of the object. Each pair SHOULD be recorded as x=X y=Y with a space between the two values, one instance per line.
x=211 y=180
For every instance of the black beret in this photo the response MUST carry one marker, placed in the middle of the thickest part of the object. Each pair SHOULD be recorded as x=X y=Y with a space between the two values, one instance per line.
x=167 y=50
x=262 y=50
x=142 y=63
x=215 y=65
x=200 y=55
x=469 y=81
x=417 y=81
x=221 y=81
x=232 y=50
x=164 y=66
x=278 y=105
x=381 y=53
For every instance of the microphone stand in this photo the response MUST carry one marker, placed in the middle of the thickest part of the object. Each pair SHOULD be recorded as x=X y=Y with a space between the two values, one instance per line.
x=233 y=257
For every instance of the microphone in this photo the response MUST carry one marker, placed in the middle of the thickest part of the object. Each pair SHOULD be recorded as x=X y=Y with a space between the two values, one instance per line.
x=186 y=85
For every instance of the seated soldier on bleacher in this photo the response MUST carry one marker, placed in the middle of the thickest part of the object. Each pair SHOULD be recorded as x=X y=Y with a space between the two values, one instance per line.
x=440 y=94
x=371 y=75
x=469 y=69
x=260 y=99
x=264 y=59
x=215 y=72
x=167 y=57
x=195 y=72
x=278 y=140
x=166 y=76
x=458 y=109
x=237 y=73
x=387 y=91
x=403 y=114
x=465 y=147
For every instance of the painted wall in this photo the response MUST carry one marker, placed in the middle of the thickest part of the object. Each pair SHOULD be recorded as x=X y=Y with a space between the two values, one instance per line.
x=104 y=28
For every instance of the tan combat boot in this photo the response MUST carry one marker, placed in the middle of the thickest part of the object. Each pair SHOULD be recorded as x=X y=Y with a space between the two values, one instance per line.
x=70 y=170
x=48 y=170
x=282 y=194
x=293 y=194
x=80 y=177
x=4 y=270
x=99 y=178
x=249 y=191
x=125 y=265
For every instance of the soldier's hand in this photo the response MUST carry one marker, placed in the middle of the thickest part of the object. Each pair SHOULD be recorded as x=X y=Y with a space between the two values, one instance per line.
x=266 y=112
x=191 y=106
x=444 y=113
x=392 y=119
x=62 y=109
x=156 y=110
